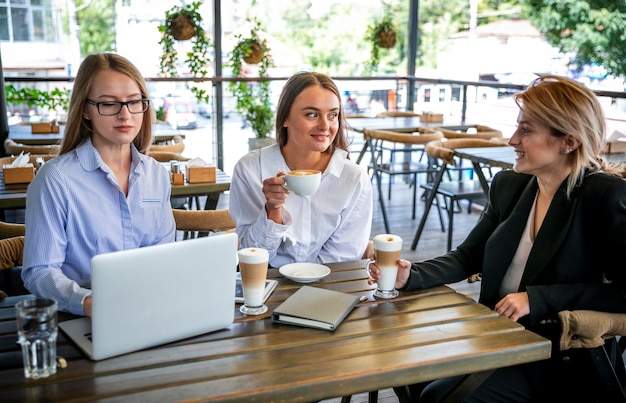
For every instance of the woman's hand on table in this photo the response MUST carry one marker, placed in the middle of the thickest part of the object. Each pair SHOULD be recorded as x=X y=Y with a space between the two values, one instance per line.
x=514 y=306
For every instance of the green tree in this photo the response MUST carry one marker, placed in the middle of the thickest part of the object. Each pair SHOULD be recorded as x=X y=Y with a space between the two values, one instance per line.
x=594 y=31
x=96 y=21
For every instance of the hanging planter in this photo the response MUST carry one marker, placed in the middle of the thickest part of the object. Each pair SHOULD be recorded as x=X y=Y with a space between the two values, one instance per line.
x=387 y=38
x=185 y=23
x=253 y=98
x=254 y=53
x=381 y=35
x=182 y=27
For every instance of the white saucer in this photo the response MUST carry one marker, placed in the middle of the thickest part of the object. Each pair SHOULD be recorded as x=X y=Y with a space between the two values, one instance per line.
x=304 y=272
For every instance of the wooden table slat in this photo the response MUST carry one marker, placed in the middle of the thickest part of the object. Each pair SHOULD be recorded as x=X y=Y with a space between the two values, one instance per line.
x=418 y=336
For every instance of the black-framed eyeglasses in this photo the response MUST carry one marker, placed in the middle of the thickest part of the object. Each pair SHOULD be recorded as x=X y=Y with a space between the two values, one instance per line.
x=110 y=108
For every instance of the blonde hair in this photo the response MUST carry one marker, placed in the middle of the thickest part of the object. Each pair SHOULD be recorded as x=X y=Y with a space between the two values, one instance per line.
x=569 y=108
x=78 y=129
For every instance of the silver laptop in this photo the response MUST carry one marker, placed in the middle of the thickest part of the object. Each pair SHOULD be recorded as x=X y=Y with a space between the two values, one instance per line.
x=157 y=294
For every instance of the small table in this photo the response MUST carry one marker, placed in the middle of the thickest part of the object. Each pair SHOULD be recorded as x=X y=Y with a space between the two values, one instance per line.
x=22 y=134
x=14 y=196
x=417 y=337
x=402 y=124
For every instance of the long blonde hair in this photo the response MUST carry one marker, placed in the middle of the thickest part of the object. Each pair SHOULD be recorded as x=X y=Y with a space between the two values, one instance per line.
x=569 y=108
x=78 y=129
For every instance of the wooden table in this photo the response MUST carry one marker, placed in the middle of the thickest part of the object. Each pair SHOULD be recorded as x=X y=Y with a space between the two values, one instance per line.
x=500 y=157
x=14 y=196
x=416 y=337
x=402 y=123
x=504 y=157
x=22 y=134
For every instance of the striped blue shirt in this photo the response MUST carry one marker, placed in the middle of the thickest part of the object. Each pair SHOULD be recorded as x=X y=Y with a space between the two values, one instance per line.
x=75 y=210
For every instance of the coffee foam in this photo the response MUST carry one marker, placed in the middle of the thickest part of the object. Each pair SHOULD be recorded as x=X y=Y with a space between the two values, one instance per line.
x=303 y=172
x=253 y=255
x=387 y=242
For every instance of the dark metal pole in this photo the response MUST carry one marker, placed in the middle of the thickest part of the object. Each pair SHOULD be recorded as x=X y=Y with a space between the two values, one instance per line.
x=218 y=100
x=4 y=120
x=412 y=53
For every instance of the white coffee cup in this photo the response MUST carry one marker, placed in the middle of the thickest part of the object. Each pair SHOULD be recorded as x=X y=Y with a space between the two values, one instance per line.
x=387 y=248
x=253 y=264
x=303 y=182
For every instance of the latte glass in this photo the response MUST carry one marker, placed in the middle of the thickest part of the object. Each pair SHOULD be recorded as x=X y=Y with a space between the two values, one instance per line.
x=387 y=248
x=253 y=267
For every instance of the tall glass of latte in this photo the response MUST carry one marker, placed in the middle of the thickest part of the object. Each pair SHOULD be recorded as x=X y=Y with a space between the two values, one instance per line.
x=253 y=267
x=387 y=248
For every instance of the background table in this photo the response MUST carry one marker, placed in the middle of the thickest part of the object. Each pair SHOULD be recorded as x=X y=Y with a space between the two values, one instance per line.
x=23 y=134
x=14 y=196
x=402 y=123
x=416 y=337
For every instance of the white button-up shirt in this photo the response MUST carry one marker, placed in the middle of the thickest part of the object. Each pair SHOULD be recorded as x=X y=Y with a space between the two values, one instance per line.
x=332 y=225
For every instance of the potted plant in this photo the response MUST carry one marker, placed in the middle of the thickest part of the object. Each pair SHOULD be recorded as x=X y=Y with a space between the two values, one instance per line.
x=253 y=98
x=381 y=35
x=54 y=102
x=185 y=23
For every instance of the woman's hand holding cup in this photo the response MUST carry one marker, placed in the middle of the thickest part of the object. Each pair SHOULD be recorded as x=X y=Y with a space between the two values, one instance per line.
x=402 y=276
x=387 y=248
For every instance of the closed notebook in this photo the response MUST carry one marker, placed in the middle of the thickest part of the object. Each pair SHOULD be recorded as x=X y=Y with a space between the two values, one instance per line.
x=315 y=307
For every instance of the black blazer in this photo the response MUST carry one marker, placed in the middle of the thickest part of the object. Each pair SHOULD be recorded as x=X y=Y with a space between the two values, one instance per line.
x=581 y=242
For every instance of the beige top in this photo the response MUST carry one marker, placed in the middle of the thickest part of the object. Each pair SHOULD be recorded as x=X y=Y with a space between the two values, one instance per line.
x=513 y=276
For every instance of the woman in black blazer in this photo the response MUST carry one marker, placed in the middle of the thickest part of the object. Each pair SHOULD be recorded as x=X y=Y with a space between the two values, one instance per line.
x=552 y=238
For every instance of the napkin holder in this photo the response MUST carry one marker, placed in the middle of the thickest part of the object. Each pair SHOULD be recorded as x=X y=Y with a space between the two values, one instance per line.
x=44 y=128
x=13 y=175
x=198 y=174
x=431 y=117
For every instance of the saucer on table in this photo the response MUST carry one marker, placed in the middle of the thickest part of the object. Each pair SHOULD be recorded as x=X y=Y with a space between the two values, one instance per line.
x=304 y=272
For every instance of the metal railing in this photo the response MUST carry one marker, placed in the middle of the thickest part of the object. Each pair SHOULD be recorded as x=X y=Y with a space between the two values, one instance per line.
x=457 y=99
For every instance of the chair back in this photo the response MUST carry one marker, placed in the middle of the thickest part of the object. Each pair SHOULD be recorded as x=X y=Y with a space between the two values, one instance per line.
x=425 y=136
x=166 y=156
x=13 y=148
x=203 y=220
x=444 y=150
x=177 y=146
x=482 y=132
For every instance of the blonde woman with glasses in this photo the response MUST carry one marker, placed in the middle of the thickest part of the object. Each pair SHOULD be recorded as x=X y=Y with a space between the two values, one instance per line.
x=102 y=193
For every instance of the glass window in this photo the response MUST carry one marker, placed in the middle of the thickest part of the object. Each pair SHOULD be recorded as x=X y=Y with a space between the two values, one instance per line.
x=4 y=24
x=20 y=22
x=26 y=20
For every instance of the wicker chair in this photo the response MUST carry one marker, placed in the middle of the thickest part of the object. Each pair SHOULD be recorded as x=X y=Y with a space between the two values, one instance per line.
x=383 y=143
x=11 y=253
x=451 y=190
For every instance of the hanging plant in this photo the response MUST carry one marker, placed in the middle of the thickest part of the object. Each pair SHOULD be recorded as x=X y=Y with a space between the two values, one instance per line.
x=381 y=35
x=253 y=98
x=184 y=23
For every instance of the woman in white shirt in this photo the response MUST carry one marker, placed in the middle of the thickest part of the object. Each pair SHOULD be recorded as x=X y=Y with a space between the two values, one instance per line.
x=331 y=225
